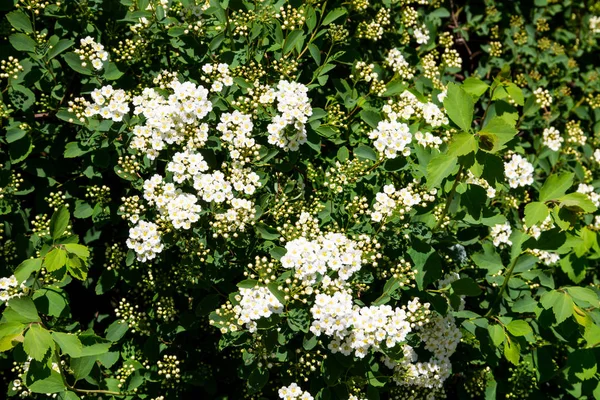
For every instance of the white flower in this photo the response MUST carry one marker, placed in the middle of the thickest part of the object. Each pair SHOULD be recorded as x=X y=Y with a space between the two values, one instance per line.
x=518 y=171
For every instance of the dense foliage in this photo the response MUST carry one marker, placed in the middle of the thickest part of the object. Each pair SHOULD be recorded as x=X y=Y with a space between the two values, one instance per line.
x=360 y=199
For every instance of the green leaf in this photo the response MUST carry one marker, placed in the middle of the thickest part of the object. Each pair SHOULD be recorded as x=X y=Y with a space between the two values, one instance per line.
x=535 y=213
x=292 y=39
x=519 y=327
x=365 y=152
x=25 y=307
x=515 y=93
x=474 y=86
x=116 y=330
x=333 y=15
x=22 y=42
x=38 y=342
x=512 y=350
x=51 y=300
x=20 y=21
x=499 y=132
x=51 y=384
x=79 y=250
x=496 y=333
x=55 y=259
x=440 y=167
x=577 y=202
x=111 y=72
x=59 y=222
x=584 y=294
x=74 y=62
x=556 y=186
x=82 y=366
x=258 y=379
x=26 y=268
x=459 y=106
x=266 y=232
x=462 y=144
x=562 y=307
x=466 y=287
x=60 y=47
x=69 y=343
x=93 y=345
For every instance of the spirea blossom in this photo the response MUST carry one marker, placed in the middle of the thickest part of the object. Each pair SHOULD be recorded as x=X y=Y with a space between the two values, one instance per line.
x=391 y=138
x=518 y=171
x=256 y=303
x=144 y=239
x=399 y=65
x=552 y=138
x=589 y=190
x=9 y=288
x=500 y=234
x=293 y=392
x=287 y=129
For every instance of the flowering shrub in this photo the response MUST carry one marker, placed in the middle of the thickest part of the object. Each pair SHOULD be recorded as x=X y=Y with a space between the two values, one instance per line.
x=299 y=200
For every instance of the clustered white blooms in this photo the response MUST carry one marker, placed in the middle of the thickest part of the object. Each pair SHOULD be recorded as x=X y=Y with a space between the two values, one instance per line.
x=108 y=103
x=144 y=239
x=546 y=257
x=220 y=75
x=93 y=52
x=595 y=24
x=9 y=288
x=500 y=234
x=409 y=106
x=536 y=230
x=473 y=180
x=543 y=97
x=293 y=392
x=421 y=34
x=589 y=191
x=287 y=130
x=518 y=171
x=358 y=329
x=399 y=65
x=597 y=155
x=331 y=252
x=552 y=138
x=255 y=303
x=401 y=201
x=426 y=139
x=391 y=138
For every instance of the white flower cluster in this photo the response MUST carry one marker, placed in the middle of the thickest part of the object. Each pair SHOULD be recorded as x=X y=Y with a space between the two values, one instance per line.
x=536 y=230
x=93 y=52
x=542 y=97
x=595 y=24
x=552 y=138
x=144 y=239
x=518 y=171
x=358 y=329
x=332 y=252
x=238 y=216
x=236 y=130
x=500 y=234
x=421 y=34
x=391 y=138
x=473 y=180
x=589 y=190
x=294 y=107
x=409 y=106
x=256 y=303
x=166 y=116
x=186 y=165
x=293 y=392
x=178 y=207
x=399 y=65
x=401 y=201
x=220 y=76
x=426 y=139
x=597 y=155
x=9 y=288
x=547 y=258
x=108 y=103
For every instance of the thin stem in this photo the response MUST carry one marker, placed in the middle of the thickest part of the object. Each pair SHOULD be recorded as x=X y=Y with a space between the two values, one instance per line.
x=502 y=288
x=449 y=199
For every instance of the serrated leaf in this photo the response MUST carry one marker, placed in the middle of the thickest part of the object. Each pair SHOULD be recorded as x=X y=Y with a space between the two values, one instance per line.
x=38 y=342
x=25 y=307
x=459 y=106
x=59 y=222
x=20 y=21
x=79 y=250
x=466 y=287
x=68 y=343
x=462 y=144
x=55 y=259
x=519 y=327
x=499 y=131
x=26 y=268
x=556 y=186
x=474 y=86
x=577 y=202
x=440 y=167
x=512 y=350
x=496 y=333
x=535 y=213
x=116 y=330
